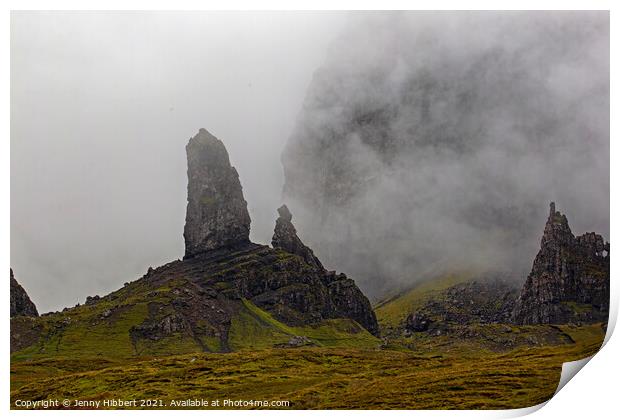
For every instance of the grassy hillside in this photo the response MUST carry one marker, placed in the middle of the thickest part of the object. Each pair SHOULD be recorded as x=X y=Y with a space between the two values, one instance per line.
x=317 y=377
x=392 y=312
x=90 y=352
x=81 y=331
x=255 y=329
x=248 y=298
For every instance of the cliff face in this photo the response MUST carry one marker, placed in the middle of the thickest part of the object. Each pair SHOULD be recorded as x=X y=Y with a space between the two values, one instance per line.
x=569 y=281
x=20 y=301
x=217 y=214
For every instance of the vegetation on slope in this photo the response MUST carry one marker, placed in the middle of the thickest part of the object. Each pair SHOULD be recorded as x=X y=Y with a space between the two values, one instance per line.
x=256 y=329
x=252 y=298
x=392 y=312
x=318 y=377
x=80 y=332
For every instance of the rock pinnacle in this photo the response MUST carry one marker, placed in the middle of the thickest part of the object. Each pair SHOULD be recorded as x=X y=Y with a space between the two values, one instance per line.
x=217 y=214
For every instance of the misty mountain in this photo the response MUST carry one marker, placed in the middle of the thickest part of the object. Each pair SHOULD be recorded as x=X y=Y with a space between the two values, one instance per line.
x=430 y=142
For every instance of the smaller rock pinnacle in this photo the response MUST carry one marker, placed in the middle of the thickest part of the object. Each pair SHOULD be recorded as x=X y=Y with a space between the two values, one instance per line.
x=285 y=237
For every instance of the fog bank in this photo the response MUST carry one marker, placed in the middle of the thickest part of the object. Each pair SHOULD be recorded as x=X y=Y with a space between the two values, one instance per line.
x=434 y=141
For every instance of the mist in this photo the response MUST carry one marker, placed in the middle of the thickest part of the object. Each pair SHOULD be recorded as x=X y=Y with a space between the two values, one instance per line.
x=102 y=106
x=406 y=144
x=432 y=142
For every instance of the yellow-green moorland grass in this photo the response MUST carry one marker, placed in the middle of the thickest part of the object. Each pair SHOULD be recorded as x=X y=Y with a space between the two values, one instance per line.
x=317 y=377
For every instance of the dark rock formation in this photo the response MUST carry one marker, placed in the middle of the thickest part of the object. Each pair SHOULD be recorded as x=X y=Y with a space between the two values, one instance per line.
x=296 y=290
x=569 y=281
x=217 y=214
x=20 y=301
x=348 y=301
x=285 y=237
x=484 y=301
x=214 y=299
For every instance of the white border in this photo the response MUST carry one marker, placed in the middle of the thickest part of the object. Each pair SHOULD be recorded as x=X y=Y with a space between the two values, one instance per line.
x=592 y=394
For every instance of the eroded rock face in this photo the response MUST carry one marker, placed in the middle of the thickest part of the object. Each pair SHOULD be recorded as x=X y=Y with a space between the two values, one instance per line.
x=217 y=214
x=20 y=301
x=569 y=281
x=285 y=237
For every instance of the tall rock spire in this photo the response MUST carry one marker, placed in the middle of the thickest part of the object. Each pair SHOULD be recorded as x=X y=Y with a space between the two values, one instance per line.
x=217 y=214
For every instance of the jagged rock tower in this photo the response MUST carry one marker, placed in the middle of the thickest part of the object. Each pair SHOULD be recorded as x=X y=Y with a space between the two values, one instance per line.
x=20 y=301
x=217 y=214
x=569 y=281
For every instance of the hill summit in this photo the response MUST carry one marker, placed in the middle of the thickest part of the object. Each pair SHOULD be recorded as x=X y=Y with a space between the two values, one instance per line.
x=226 y=294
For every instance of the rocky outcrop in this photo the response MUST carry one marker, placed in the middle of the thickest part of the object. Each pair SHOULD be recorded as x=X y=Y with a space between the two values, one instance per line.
x=217 y=214
x=226 y=294
x=350 y=302
x=569 y=281
x=20 y=301
x=483 y=301
x=347 y=300
x=288 y=281
x=285 y=237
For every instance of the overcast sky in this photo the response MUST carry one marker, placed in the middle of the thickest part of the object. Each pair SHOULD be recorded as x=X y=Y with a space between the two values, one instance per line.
x=434 y=141
x=102 y=105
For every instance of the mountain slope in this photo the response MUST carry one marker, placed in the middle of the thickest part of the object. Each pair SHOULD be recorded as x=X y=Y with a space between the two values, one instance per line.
x=392 y=312
x=227 y=293
x=215 y=303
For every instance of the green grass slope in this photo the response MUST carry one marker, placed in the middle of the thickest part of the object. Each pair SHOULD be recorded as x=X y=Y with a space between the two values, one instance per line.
x=256 y=329
x=392 y=312
x=316 y=377
x=83 y=331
